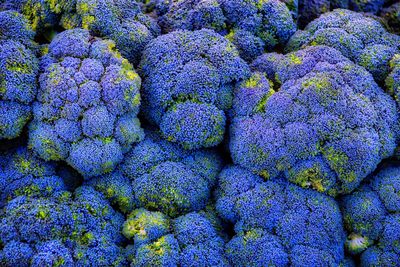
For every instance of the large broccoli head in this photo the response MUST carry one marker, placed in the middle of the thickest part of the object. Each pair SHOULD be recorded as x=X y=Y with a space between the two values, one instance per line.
x=61 y=230
x=372 y=217
x=189 y=240
x=253 y=26
x=167 y=178
x=358 y=37
x=278 y=223
x=18 y=71
x=119 y=20
x=24 y=174
x=327 y=127
x=188 y=83
x=87 y=104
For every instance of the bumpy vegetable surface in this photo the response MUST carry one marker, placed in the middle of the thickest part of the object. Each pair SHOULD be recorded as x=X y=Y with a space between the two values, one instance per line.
x=372 y=217
x=189 y=240
x=87 y=104
x=188 y=83
x=327 y=126
x=61 y=230
x=277 y=223
x=358 y=37
x=18 y=71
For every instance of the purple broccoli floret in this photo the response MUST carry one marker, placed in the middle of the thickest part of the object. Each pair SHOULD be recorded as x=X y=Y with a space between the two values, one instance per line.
x=24 y=174
x=323 y=123
x=119 y=20
x=372 y=218
x=253 y=26
x=189 y=240
x=169 y=179
x=87 y=104
x=362 y=39
x=18 y=71
x=278 y=223
x=62 y=230
x=188 y=83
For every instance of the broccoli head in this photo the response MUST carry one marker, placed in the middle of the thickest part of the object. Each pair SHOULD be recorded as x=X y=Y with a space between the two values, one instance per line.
x=278 y=223
x=326 y=127
x=119 y=20
x=62 y=230
x=87 y=104
x=24 y=174
x=41 y=14
x=372 y=218
x=18 y=71
x=258 y=25
x=253 y=26
x=189 y=240
x=169 y=179
x=192 y=15
x=188 y=83
x=358 y=37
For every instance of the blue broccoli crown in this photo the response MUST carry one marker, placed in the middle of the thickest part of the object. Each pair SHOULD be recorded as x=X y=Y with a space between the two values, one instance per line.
x=362 y=39
x=87 y=104
x=188 y=82
x=121 y=21
x=169 y=179
x=253 y=26
x=189 y=240
x=24 y=174
x=372 y=218
x=64 y=229
x=18 y=71
x=276 y=222
x=42 y=15
x=327 y=126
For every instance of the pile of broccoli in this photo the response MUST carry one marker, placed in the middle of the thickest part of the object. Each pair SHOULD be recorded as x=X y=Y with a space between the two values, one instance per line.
x=199 y=133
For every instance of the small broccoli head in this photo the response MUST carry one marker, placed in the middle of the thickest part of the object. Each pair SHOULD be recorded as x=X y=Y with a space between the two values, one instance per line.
x=327 y=126
x=372 y=218
x=188 y=81
x=258 y=24
x=169 y=179
x=276 y=222
x=192 y=15
x=358 y=37
x=42 y=15
x=117 y=188
x=121 y=21
x=24 y=174
x=87 y=104
x=18 y=71
x=63 y=229
x=189 y=240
